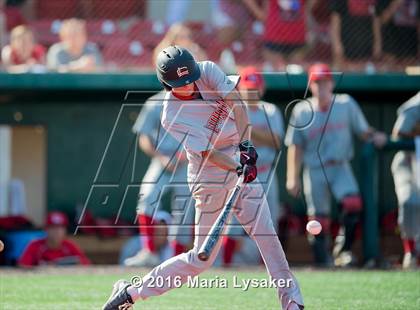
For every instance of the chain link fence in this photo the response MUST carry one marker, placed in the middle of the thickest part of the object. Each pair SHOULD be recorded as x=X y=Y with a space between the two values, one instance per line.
x=352 y=35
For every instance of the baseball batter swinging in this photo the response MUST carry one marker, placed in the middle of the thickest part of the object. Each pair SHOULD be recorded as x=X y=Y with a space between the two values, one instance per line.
x=203 y=110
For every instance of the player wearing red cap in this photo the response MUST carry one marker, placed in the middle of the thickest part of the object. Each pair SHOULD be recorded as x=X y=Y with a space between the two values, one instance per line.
x=320 y=138
x=54 y=249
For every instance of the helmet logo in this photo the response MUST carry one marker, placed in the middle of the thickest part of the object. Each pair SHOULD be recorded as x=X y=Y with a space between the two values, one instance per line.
x=181 y=71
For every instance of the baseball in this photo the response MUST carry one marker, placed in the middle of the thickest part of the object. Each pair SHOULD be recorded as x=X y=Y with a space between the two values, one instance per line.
x=1 y=246
x=314 y=227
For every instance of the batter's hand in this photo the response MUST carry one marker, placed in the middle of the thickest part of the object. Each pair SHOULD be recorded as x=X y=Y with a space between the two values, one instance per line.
x=249 y=172
x=249 y=155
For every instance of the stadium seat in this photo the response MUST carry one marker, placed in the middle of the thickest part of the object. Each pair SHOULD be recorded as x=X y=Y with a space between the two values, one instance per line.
x=115 y=9
x=150 y=33
x=45 y=31
x=127 y=54
x=246 y=52
x=102 y=31
x=62 y=9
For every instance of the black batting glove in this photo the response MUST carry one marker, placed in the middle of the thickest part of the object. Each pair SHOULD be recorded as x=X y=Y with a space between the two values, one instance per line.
x=248 y=155
x=249 y=172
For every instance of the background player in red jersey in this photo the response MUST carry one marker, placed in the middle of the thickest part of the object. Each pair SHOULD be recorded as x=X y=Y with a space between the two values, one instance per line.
x=54 y=249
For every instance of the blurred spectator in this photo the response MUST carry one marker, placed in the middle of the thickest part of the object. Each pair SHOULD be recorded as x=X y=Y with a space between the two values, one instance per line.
x=55 y=249
x=179 y=34
x=74 y=53
x=318 y=37
x=23 y=54
x=285 y=32
x=352 y=31
x=399 y=21
x=233 y=18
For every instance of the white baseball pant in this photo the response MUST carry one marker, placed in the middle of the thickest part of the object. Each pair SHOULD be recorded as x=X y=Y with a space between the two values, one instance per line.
x=253 y=213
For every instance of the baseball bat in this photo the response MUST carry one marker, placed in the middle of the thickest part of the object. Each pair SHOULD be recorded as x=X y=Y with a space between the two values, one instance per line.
x=216 y=230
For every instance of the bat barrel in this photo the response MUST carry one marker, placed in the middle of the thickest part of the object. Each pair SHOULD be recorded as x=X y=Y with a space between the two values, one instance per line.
x=217 y=228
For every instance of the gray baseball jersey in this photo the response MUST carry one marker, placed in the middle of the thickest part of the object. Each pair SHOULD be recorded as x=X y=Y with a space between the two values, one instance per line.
x=156 y=180
x=267 y=117
x=328 y=134
x=203 y=124
x=408 y=115
x=148 y=123
x=404 y=171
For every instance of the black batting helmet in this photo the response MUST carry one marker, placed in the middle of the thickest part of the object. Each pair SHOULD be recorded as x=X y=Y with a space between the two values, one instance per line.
x=176 y=67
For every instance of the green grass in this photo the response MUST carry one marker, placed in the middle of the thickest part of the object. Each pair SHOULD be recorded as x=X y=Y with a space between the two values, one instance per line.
x=89 y=288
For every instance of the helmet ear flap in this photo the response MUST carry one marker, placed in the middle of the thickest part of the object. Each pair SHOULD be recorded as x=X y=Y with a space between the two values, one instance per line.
x=166 y=86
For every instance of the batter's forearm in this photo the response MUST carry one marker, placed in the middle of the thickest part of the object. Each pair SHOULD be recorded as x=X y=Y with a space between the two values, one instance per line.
x=238 y=107
x=220 y=159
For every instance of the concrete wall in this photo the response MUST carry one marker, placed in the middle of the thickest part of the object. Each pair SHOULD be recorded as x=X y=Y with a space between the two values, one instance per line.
x=29 y=164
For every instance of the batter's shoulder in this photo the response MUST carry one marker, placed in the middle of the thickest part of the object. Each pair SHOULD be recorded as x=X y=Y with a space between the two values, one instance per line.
x=206 y=64
x=206 y=68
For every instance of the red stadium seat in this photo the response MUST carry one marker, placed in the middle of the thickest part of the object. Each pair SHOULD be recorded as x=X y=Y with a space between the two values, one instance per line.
x=62 y=9
x=103 y=31
x=195 y=26
x=246 y=55
x=115 y=9
x=148 y=32
x=127 y=54
x=245 y=52
x=45 y=31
